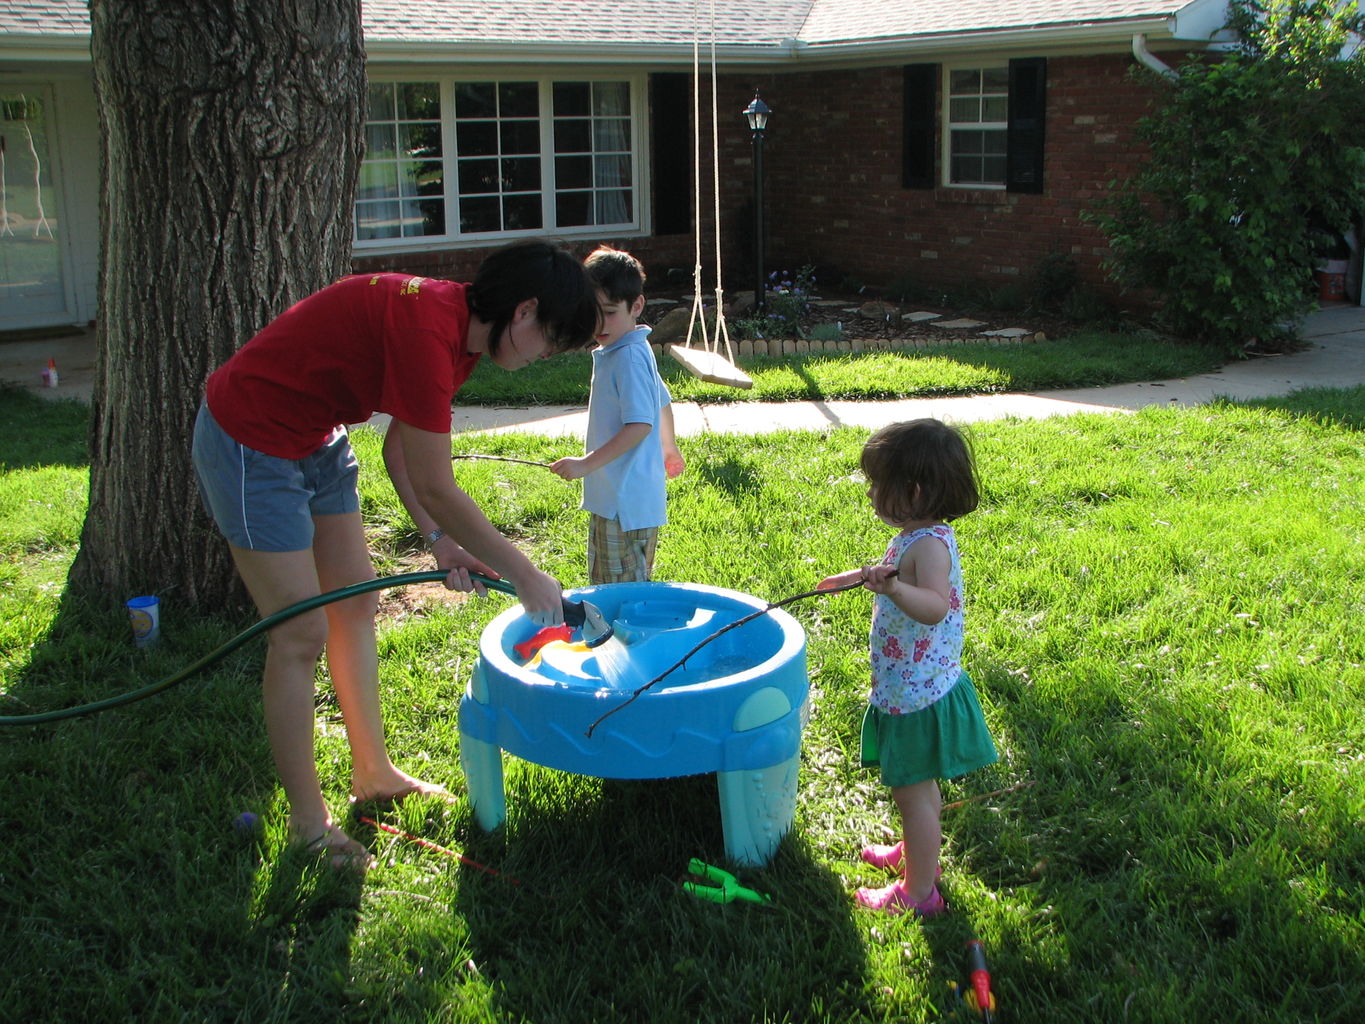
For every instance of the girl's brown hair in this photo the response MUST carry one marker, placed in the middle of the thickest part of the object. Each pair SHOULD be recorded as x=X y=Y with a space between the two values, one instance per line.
x=920 y=469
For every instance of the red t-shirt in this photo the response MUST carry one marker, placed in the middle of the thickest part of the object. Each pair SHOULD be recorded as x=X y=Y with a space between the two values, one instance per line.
x=370 y=343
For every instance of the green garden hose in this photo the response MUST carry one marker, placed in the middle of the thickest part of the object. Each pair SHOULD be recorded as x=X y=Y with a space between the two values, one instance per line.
x=271 y=621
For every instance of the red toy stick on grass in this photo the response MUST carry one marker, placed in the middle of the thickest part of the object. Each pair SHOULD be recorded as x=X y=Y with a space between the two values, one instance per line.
x=428 y=844
x=980 y=998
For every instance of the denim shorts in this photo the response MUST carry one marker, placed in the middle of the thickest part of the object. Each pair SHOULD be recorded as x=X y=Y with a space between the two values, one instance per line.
x=265 y=503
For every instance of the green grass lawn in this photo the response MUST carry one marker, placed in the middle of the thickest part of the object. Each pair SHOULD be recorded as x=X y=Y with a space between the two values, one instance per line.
x=1163 y=620
x=1087 y=359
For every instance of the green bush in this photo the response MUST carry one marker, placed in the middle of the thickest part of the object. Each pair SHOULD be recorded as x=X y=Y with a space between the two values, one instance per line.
x=1054 y=280
x=827 y=332
x=905 y=288
x=1248 y=153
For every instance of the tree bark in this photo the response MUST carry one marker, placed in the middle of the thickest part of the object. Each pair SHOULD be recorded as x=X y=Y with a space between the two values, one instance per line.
x=231 y=140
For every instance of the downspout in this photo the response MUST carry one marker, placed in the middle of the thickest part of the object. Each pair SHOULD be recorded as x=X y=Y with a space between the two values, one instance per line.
x=1147 y=57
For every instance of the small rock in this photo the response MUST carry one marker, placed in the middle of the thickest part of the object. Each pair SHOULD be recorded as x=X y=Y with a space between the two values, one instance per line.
x=877 y=310
x=672 y=327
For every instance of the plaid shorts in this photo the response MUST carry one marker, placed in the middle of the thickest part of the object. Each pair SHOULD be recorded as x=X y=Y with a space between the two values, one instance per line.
x=619 y=556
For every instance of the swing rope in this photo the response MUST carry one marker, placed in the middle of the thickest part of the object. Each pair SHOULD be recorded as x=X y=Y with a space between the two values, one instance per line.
x=710 y=341
x=722 y=331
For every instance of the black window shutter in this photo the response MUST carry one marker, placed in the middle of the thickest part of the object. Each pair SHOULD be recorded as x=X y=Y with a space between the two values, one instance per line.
x=1024 y=137
x=918 y=132
x=671 y=152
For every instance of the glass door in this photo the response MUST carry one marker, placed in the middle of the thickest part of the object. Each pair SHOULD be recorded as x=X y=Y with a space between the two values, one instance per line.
x=32 y=263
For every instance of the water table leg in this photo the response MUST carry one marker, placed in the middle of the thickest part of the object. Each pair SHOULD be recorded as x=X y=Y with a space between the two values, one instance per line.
x=757 y=805
x=481 y=760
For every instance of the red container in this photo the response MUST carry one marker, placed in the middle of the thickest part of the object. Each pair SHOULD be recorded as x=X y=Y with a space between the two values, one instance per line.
x=1331 y=278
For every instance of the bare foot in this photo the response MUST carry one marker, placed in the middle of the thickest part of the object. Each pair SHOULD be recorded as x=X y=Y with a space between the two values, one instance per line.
x=342 y=852
x=397 y=789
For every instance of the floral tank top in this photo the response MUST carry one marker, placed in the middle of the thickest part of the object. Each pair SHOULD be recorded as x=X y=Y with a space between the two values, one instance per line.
x=913 y=665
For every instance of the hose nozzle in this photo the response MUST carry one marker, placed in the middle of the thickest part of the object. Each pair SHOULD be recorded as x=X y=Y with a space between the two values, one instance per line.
x=580 y=615
x=587 y=618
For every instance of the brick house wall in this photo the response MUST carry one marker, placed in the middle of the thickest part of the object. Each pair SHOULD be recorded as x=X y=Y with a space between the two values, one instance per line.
x=834 y=197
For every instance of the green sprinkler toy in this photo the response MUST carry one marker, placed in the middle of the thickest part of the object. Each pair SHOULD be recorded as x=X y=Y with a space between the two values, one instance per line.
x=719 y=886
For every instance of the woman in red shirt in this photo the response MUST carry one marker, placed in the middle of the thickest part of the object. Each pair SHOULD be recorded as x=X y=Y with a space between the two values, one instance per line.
x=277 y=473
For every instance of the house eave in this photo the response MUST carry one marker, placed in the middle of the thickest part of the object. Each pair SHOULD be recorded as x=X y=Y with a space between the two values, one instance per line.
x=64 y=49
x=1096 y=37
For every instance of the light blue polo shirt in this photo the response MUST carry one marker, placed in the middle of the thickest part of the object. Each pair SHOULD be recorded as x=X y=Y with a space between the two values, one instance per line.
x=627 y=388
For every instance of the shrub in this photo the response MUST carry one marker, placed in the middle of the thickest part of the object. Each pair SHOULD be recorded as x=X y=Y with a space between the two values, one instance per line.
x=1247 y=152
x=827 y=332
x=1054 y=280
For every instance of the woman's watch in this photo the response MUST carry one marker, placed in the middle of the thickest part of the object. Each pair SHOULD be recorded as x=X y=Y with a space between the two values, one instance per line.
x=434 y=536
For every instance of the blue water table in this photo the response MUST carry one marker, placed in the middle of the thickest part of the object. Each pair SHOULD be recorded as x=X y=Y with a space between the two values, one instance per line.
x=737 y=708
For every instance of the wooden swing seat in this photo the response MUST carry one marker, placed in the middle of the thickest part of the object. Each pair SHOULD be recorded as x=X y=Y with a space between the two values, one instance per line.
x=710 y=366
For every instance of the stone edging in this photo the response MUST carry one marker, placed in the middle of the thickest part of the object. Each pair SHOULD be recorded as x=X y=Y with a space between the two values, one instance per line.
x=778 y=347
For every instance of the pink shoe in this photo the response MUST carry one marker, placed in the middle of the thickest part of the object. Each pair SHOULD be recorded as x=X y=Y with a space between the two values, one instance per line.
x=889 y=857
x=895 y=900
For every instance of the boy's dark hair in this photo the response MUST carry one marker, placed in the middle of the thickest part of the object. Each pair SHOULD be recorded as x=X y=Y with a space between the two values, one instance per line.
x=566 y=300
x=920 y=469
x=619 y=274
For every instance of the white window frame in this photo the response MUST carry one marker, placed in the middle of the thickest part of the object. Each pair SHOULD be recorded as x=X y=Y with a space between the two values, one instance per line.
x=949 y=125
x=453 y=237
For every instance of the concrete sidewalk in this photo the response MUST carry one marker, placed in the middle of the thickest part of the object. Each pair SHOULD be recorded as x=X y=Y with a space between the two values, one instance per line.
x=1335 y=358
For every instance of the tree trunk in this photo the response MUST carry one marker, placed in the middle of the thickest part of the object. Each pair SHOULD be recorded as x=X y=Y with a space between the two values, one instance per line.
x=231 y=138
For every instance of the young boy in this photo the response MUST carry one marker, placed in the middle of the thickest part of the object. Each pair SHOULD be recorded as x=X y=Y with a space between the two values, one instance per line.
x=630 y=442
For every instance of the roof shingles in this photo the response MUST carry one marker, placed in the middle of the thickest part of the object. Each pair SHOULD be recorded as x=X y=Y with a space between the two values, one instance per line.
x=669 y=23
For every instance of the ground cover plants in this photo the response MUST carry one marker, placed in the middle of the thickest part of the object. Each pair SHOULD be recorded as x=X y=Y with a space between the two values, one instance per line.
x=1162 y=615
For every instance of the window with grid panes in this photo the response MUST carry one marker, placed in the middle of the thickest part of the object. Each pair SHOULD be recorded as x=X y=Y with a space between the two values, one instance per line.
x=473 y=159
x=976 y=126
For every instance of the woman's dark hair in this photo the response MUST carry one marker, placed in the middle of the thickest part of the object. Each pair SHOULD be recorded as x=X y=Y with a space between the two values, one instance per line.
x=566 y=299
x=920 y=469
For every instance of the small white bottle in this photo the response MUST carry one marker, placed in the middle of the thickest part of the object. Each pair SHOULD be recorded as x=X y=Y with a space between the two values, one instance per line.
x=50 y=374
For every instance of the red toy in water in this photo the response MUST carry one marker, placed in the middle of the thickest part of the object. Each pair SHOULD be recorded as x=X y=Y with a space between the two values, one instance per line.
x=526 y=650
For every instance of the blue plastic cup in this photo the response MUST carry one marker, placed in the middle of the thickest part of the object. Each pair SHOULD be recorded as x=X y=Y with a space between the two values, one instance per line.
x=144 y=614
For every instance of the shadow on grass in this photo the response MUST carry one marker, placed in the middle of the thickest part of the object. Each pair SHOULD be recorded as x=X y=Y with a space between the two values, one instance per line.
x=126 y=886
x=87 y=657
x=1342 y=407
x=61 y=441
x=731 y=475
x=1160 y=879
x=638 y=947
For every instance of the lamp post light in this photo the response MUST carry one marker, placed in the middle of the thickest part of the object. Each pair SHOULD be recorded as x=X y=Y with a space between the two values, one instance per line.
x=757 y=112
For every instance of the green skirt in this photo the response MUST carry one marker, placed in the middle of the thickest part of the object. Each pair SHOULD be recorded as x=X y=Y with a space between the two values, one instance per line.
x=947 y=739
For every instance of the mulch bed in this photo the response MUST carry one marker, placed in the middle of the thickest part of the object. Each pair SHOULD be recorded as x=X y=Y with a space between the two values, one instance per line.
x=882 y=321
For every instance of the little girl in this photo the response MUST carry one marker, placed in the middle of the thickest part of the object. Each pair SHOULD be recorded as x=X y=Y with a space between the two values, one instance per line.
x=923 y=722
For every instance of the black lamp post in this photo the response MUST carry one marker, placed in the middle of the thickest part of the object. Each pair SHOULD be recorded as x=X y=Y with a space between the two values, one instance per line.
x=757 y=112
